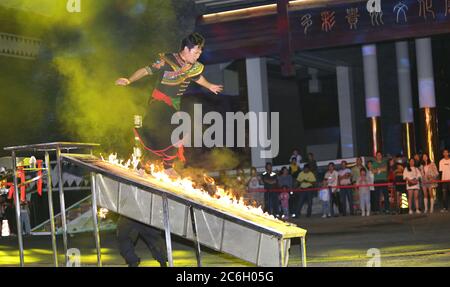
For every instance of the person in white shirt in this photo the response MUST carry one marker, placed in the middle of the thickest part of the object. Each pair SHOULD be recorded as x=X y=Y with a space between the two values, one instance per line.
x=429 y=174
x=411 y=175
x=345 y=178
x=324 y=196
x=370 y=175
x=297 y=156
x=332 y=178
x=444 y=167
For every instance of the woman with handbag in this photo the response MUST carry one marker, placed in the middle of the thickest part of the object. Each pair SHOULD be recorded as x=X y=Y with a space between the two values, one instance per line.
x=429 y=175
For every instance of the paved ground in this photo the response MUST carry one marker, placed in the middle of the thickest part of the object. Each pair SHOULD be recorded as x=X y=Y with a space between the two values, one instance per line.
x=402 y=240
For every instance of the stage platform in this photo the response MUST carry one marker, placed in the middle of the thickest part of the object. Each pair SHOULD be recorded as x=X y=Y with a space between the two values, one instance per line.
x=403 y=240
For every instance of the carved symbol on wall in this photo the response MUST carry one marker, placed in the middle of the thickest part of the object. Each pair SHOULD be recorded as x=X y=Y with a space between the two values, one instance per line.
x=352 y=17
x=401 y=8
x=426 y=6
x=328 y=20
x=306 y=22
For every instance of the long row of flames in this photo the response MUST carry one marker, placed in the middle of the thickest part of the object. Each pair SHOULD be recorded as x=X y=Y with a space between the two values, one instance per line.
x=221 y=196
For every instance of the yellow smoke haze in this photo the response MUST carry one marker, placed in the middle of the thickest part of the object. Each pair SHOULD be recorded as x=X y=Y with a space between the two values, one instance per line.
x=71 y=83
x=89 y=51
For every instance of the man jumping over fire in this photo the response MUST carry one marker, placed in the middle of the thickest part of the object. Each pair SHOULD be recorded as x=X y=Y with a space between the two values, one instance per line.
x=174 y=72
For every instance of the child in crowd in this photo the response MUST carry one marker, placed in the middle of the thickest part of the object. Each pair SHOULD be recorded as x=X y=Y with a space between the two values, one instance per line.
x=284 y=199
x=364 y=192
x=324 y=196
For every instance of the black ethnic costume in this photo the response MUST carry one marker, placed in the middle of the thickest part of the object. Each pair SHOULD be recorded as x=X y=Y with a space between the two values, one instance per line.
x=174 y=76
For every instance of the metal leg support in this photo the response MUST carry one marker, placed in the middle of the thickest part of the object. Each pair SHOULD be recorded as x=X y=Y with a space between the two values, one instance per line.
x=62 y=204
x=167 y=229
x=303 y=251
x=95 y=221
x=17 y=205
x=50 y=208
x=196 y=241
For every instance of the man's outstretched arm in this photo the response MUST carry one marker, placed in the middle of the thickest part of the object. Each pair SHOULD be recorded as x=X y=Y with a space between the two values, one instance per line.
x=136 y=76
x=212 y=87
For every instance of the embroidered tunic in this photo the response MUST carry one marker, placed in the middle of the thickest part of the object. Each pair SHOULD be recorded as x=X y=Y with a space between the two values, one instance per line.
x=174 y=76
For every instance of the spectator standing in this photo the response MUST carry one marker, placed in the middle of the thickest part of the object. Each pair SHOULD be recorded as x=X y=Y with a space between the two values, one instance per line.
x=25 y=218
x=332 y=178
x=391 y=179
x=364 y=192
x=254 y=184
x=297 y=156
x=355 y=175
x=371 y=177
x=324 y=196
x=380 y=176
x=312 y=164
x=270 y=197
x=400 y=186
x=10 y=215
x=429 y=174
x=357 y=169
x=306 y=179
x=444 y=168
x=285 y=179
x=239 y=184
x=294 y=168
x=294 y=198
x=284 y=200
x=417 y=160
x=399 y=159
x=345 y=179
x=412 y=176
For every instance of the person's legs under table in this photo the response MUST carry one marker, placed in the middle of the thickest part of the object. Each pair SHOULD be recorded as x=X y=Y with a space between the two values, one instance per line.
x=155 y=242
x=125 y=228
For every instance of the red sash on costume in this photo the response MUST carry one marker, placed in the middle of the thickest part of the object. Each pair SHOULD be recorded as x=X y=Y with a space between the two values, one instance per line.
x=160 y=96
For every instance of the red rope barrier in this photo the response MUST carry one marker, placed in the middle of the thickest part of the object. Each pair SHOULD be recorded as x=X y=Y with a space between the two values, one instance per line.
x=392 y=184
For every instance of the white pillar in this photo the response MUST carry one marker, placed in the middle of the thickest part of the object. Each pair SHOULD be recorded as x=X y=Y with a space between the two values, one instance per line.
x=371 y=81
x=372 y=95
x=404 y=82
x=258 y=98
x=427 y=98
x=346 y=111
x=425 y=73
x=405 y=98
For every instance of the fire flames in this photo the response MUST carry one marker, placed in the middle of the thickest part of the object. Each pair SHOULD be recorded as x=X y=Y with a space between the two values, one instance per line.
x=201 y=190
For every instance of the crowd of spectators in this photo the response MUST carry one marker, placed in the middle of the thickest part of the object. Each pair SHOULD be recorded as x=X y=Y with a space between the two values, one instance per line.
x=367 y=186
